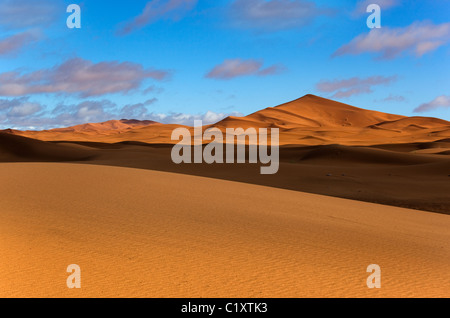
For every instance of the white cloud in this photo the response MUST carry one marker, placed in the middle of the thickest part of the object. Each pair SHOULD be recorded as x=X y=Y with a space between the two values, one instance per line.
x=361 y=7
x=81 y=77
x=353 y=86
x=232 y=68
x=22 y=114
x=14 y=43
x=158 y=9
x=419 y=38
x=273 y=15
x=394 y=98
x=209 y=117
x=18 y=107
x=439 y=102
x=20 y=14
x=139 y=110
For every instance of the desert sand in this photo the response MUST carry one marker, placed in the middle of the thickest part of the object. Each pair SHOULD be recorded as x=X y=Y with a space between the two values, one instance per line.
x=355 y=187
x=328 y=148
x=138 y=233
x=392 y=174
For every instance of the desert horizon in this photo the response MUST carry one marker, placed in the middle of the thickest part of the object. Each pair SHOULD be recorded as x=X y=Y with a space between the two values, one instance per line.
x=87 y=179
x=358 y=155
x=231 y=153
x=300 y=121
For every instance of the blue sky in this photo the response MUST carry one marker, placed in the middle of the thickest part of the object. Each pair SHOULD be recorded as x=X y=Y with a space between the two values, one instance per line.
x=174 y=61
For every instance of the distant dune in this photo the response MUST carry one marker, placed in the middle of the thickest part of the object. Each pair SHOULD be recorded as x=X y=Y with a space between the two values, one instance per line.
x=317 y=112
x=112 y=125
x=138 y=233
x=310 y=120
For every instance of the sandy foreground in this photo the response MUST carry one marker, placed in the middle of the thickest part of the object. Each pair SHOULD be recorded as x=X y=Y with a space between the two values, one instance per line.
x=141 y=233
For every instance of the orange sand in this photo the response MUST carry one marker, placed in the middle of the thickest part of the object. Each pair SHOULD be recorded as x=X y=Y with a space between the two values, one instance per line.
x=155 y=234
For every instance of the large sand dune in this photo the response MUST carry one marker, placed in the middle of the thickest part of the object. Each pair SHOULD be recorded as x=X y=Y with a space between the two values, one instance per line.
x=154 y=234
x=310 y=120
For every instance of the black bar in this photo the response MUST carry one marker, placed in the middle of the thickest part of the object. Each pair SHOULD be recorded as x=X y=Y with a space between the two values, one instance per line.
x=228 y=307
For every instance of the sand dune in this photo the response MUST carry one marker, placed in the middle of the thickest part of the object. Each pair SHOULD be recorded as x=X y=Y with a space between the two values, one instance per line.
x=413 y=123
x=362 y=155
x=153 y=234
x=315 y=111
x=413 y=175
x=310 y=120
x=112 y=125
x=164 y=230
x=152 y=133
x=17 y=148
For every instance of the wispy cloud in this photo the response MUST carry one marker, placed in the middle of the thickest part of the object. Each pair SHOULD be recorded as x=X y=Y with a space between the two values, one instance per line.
x=361 y=6
x=207 y=118
x=439 y=102
x=20 y=113
x=153 y=89
x=274 y=15
x=139 y=110
x=232 y=68
x=18 y=110
x=22 y=22
x=419 y=38
x=157 y=10
x=353 y=86
x=24 y=109
x=80 y=77
x=394 y=98
x=20 y=14
x=272 y=70
x=19 y=107
x=16 y=42
x=85 y=112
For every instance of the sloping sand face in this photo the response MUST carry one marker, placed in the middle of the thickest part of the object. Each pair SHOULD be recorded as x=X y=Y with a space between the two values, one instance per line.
x=138 y=233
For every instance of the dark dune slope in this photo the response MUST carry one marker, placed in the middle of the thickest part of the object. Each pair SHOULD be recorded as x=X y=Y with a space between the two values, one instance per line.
x=17 y=148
